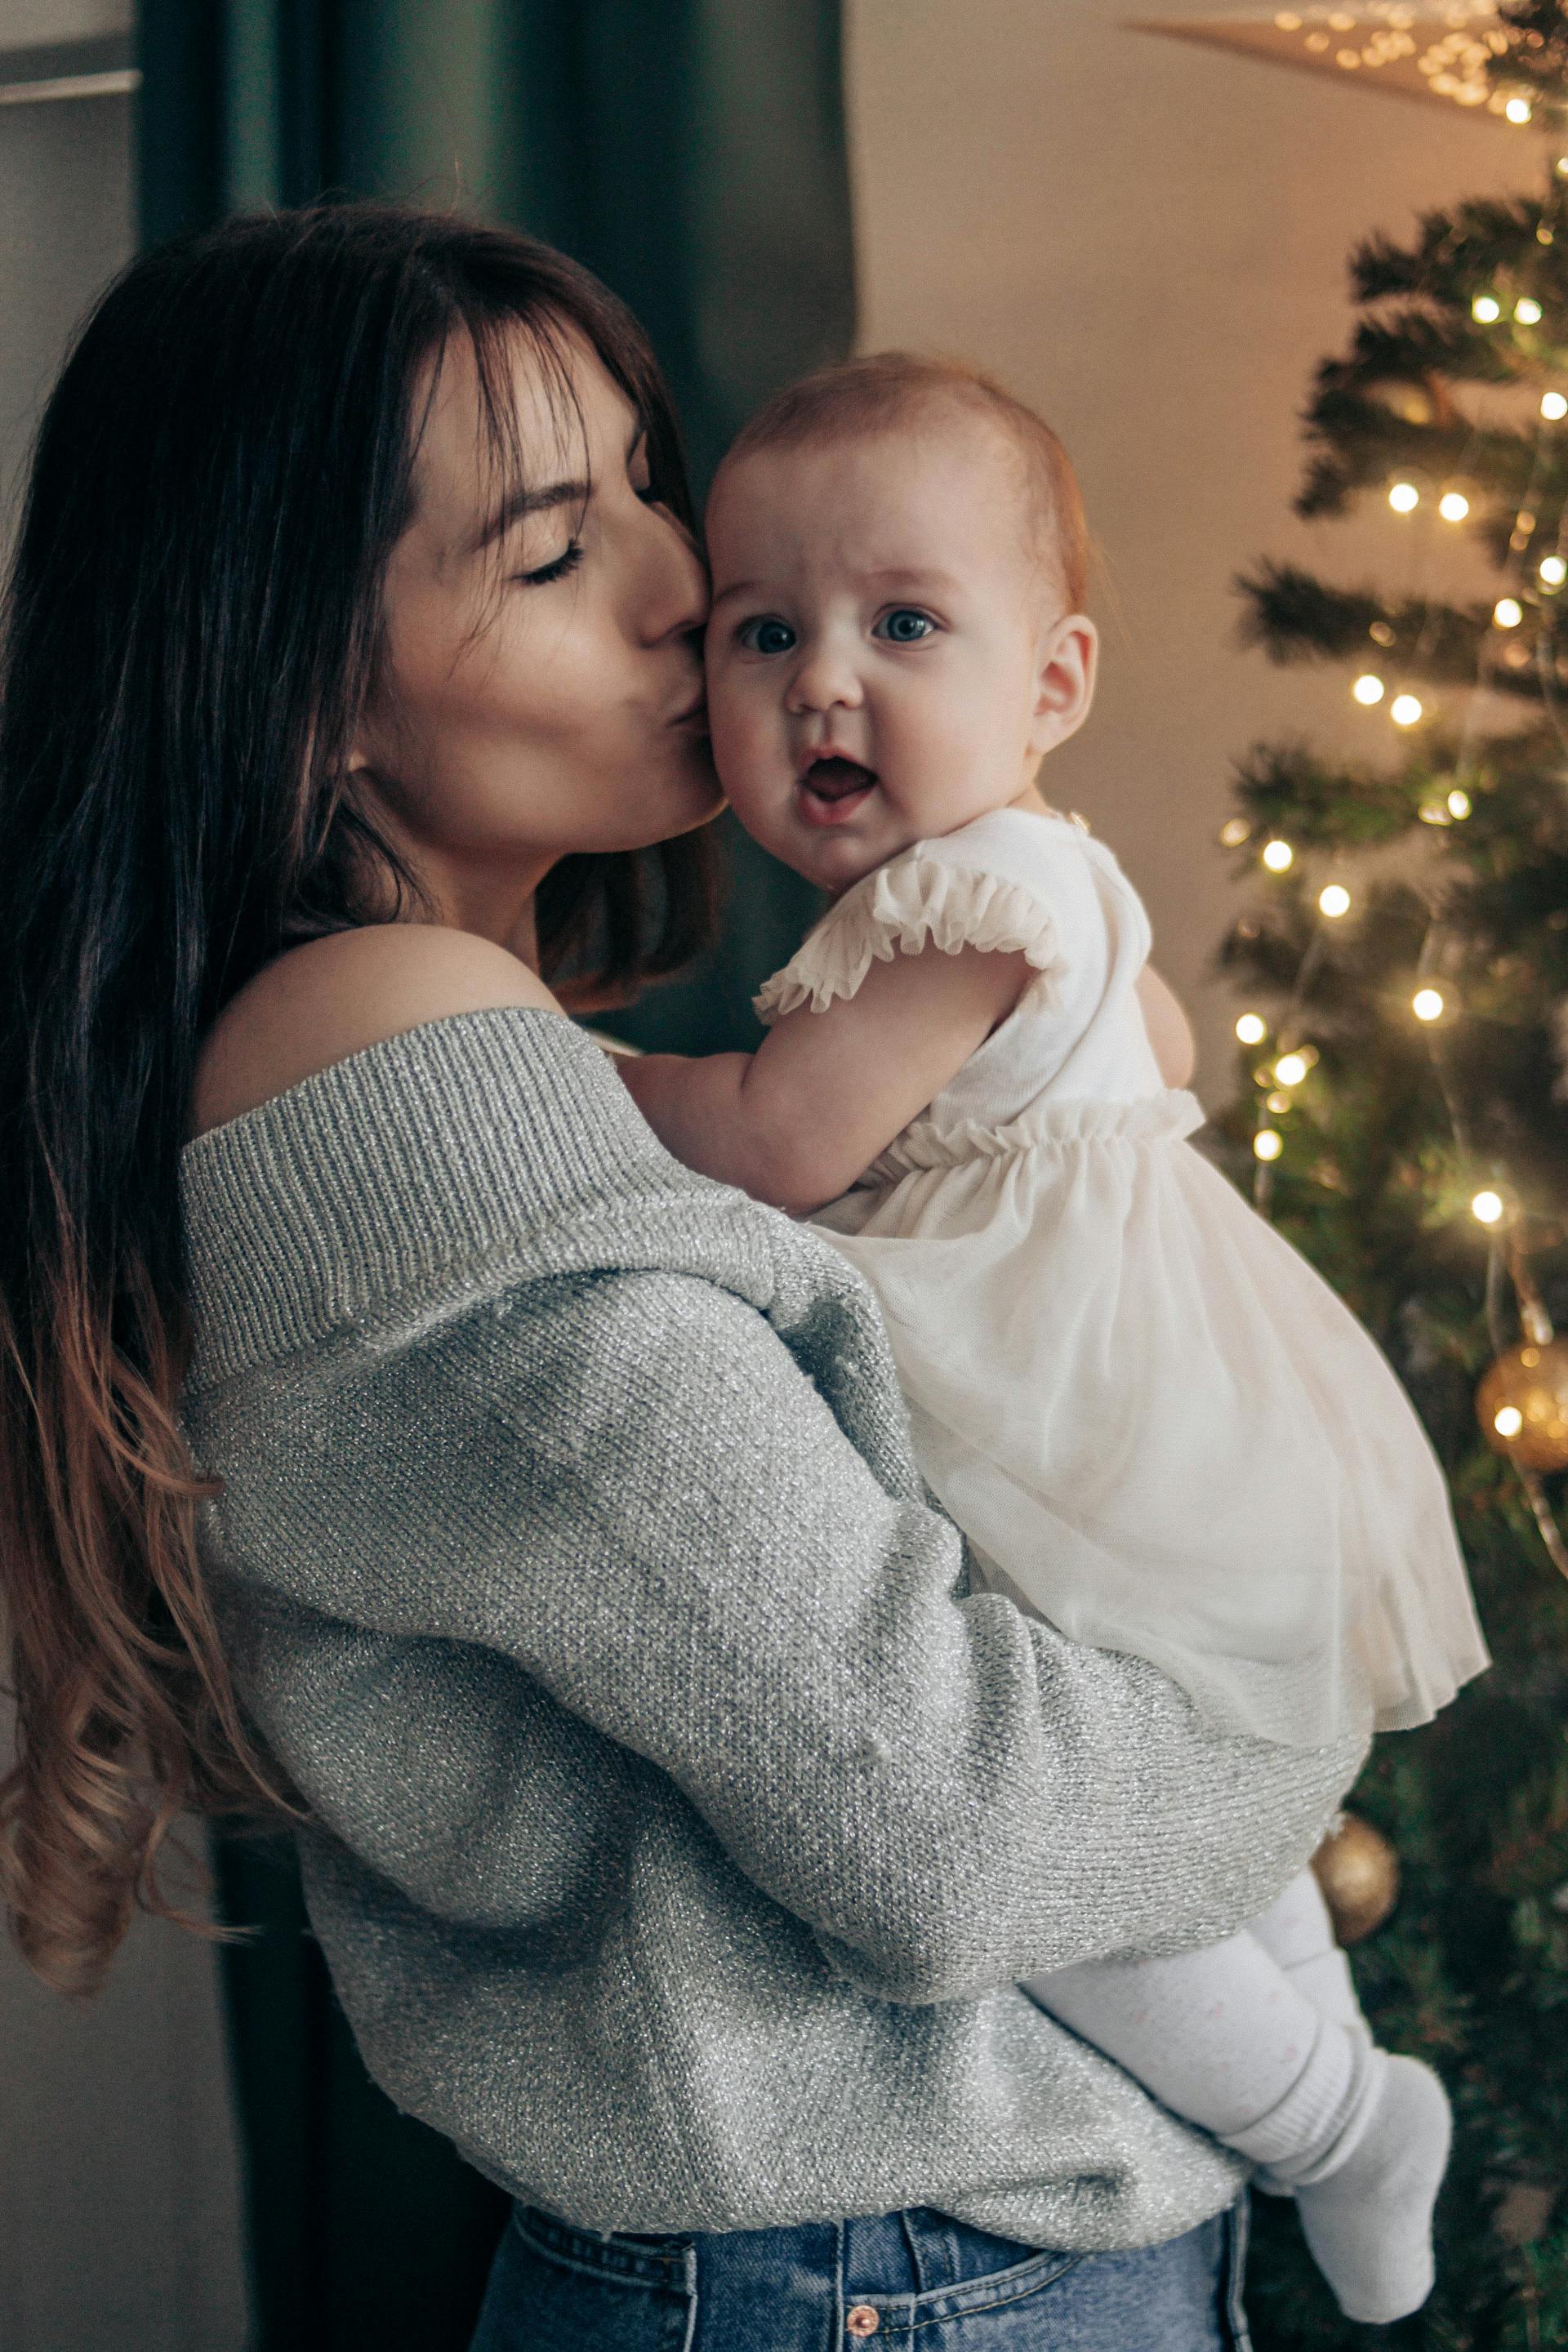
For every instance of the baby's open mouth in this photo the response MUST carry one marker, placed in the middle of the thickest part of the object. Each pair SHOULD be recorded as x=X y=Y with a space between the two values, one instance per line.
x=833 y=788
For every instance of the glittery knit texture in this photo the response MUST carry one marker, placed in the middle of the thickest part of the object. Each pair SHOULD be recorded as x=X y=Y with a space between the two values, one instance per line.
x=682 y=1820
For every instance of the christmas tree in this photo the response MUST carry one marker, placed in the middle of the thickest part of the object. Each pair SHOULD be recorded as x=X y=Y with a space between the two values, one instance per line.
x=1403 y=1120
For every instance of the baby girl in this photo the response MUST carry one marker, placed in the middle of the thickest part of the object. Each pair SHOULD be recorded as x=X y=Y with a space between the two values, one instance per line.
x=1155 y=1424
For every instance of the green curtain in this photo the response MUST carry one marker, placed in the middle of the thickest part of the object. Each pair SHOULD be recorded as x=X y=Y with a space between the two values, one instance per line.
x=693 y=153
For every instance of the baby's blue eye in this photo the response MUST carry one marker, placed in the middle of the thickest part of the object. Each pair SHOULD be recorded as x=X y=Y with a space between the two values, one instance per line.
x=905 y=626
x=766 y=636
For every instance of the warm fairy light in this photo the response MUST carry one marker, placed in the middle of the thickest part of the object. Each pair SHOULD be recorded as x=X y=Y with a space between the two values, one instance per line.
x=1427 y=1004
x=1368 y=689
x=1458 y=803
x=1266 y=1143
x=1404 y=497
x=1278 y=856
x=1334 y=900
x=1508 y=1420
x=1486 y=309
x=1527 y=310
x=1554 y=407
x=1381 y=633
x=1234 y=831
x=1434 y=813
x=1487 y=1208
x=1291 y=1069
x=1454 y=505
x=1252 y=1029
x=1508 y=612
x=1404 y=709
x=1518 y=110
x=1288 y=22
x=1553 y=570
x=1277 y=1103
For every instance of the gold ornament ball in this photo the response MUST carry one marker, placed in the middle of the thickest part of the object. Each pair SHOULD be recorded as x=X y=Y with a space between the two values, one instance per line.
x=1528 y=1388
x=1358 y=1872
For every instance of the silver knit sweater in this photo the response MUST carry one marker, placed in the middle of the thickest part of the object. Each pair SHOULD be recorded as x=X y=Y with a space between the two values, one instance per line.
x=680 y=1821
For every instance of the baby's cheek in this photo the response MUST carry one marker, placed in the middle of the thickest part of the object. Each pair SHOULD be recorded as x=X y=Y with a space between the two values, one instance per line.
x=745 y=746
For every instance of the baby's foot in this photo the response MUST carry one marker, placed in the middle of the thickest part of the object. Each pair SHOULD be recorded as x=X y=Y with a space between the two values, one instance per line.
x=1369 y=2224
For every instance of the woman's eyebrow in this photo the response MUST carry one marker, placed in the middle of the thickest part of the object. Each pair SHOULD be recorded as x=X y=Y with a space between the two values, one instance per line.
x=520 y=502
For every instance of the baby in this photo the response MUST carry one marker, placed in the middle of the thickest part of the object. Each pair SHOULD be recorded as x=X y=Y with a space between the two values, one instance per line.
x=1155 y=1424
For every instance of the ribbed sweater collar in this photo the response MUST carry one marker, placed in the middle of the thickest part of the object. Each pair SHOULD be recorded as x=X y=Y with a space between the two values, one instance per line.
x=434 y=1153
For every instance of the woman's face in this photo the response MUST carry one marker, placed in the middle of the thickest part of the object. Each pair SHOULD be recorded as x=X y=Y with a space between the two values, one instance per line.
x=541 y=689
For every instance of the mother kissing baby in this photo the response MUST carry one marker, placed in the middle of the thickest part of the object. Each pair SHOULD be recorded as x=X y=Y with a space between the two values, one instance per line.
x=390 y=1420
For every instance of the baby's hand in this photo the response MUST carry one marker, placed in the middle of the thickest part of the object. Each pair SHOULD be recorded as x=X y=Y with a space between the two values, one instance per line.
x=1170 y=1032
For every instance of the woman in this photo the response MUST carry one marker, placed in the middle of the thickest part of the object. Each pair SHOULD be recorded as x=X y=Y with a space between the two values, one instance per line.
x=392 y=1429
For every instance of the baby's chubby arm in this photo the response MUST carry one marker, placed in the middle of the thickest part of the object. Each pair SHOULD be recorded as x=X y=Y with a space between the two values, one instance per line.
x=797 y=1121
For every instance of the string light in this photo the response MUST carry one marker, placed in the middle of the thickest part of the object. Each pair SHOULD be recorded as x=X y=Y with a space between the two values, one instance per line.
x=1278 y=855
x=1368 y=689
x=1553 y=406
x=1435 y=812
x=1486 y=309
x=1454 y=505
x=1508 y=1420
x=1404 y=498
x=1334 y=900
x=1381 y=633
x=1458 y=803
x=1518 y=110
x=1487 y=1208
x=1404 y=709
x=1291 y=1069
x=1234 y=831
x=1527 y=311
x=1508 y=612
x=1553 y=570
x=1252 y=1029
x=1266 y=1144
x=1427 y=1004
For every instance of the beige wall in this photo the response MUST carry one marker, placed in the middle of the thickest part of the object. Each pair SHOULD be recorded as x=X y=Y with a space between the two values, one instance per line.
x=1148 y=241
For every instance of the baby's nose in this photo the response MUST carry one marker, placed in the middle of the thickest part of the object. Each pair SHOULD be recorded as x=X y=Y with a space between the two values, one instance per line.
x=824 y=680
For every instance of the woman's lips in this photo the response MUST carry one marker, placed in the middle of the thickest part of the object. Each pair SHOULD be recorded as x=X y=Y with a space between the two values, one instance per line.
x=831 y=790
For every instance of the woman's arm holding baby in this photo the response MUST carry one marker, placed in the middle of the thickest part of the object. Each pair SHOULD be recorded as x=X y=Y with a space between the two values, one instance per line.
x=798 y=1121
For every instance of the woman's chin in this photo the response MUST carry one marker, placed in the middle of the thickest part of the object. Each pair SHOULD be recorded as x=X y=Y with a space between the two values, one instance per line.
x=695 y=801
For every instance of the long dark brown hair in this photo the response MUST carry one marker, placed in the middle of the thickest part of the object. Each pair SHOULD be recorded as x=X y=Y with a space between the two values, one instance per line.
x=191 y=625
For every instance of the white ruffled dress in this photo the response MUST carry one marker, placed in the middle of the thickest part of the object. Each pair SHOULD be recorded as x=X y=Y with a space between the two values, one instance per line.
x=1156 y=1424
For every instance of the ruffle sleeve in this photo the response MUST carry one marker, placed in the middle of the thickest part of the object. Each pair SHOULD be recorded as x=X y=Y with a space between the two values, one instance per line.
x=909 y=901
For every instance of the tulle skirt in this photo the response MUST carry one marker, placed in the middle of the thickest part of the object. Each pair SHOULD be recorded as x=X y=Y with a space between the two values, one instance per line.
x=1157 y=1425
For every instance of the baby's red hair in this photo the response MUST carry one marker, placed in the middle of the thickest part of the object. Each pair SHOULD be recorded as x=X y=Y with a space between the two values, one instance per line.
x=883 y=389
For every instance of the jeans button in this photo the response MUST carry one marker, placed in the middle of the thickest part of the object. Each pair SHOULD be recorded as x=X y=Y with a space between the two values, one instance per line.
x=862 y=2320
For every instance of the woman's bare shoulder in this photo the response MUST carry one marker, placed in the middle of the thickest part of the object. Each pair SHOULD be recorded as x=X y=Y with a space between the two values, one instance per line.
x=329 y=998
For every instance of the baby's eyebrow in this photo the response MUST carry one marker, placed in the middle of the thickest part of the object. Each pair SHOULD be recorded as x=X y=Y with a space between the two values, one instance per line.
x=923 y=574
x=908 y=575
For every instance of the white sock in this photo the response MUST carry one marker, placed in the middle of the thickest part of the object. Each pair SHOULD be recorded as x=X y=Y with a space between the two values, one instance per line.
x=1367 y=2214
x=1225 y=2037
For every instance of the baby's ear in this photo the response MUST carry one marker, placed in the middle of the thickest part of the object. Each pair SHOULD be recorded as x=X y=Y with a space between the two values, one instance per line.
x=1064 y=681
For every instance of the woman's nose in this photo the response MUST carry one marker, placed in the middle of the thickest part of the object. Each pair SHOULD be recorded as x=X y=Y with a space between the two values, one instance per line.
x=675 y=580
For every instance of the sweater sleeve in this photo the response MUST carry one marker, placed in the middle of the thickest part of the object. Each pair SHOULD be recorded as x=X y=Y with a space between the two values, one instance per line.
x=697 y=1562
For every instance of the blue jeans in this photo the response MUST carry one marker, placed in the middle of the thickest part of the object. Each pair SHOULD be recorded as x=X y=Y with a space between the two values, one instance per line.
x=915 y=2278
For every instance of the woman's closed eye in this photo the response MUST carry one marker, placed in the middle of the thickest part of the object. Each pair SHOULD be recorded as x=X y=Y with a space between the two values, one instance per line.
x=557 y=568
